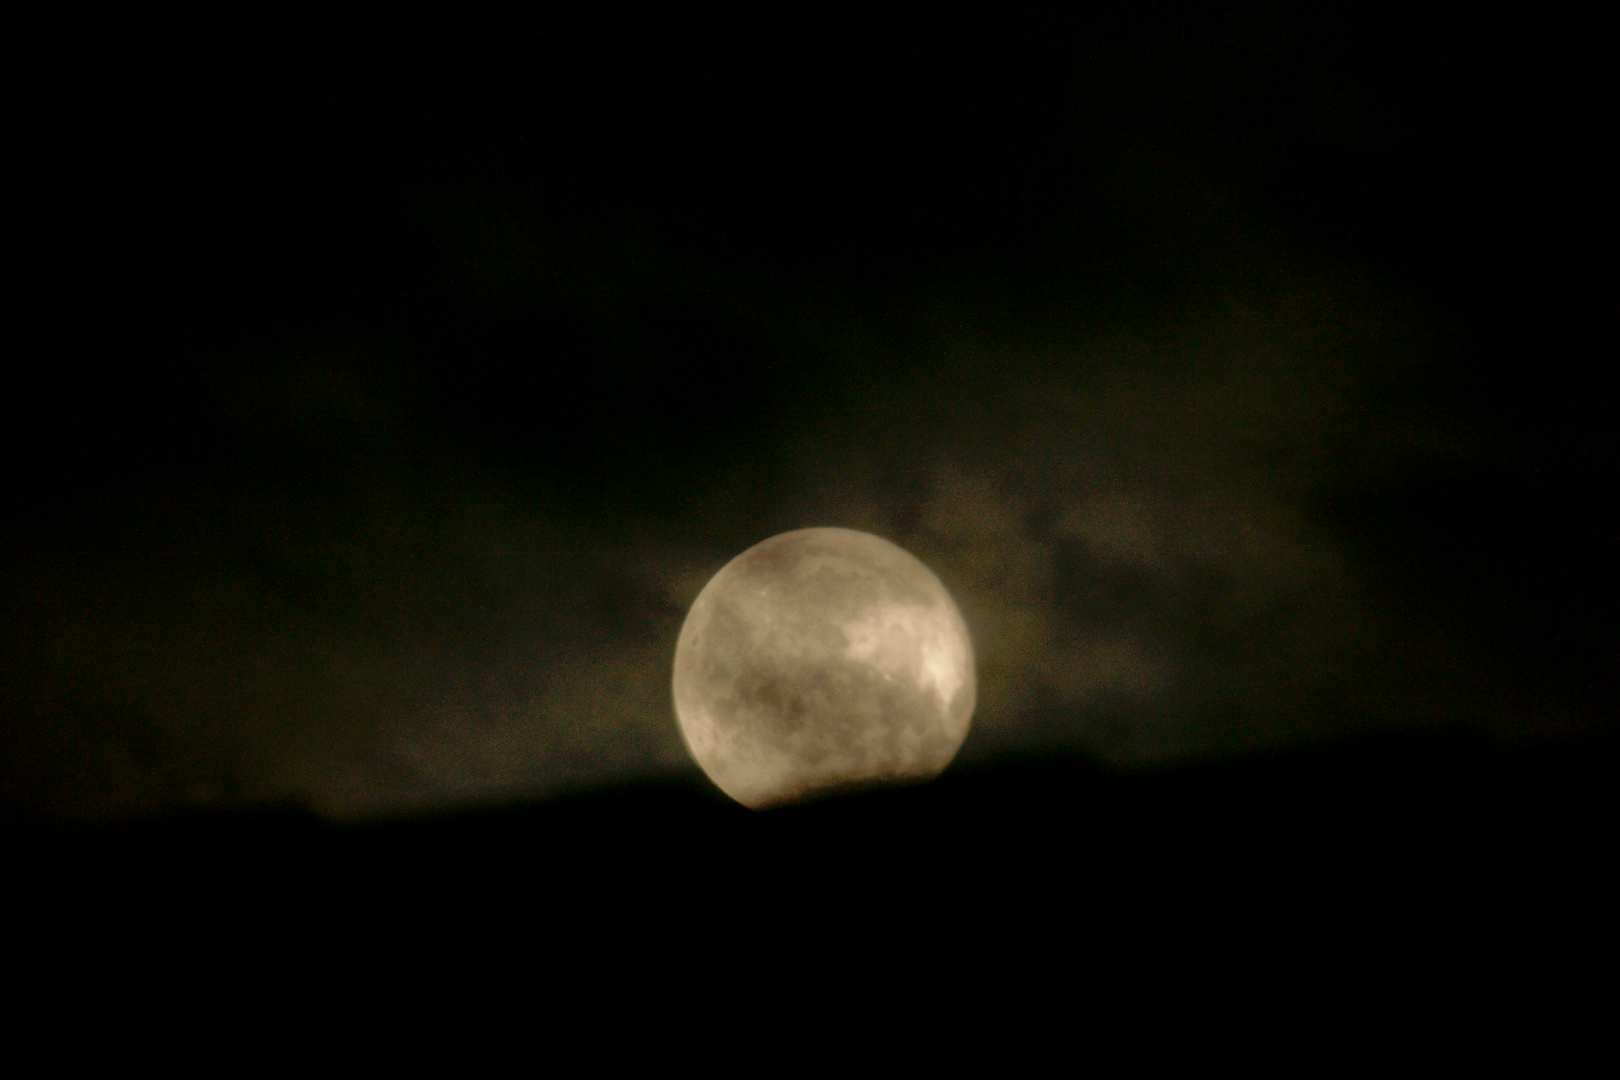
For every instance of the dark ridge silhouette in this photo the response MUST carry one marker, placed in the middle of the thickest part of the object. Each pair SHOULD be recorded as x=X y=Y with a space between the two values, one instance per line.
x=1429 y=839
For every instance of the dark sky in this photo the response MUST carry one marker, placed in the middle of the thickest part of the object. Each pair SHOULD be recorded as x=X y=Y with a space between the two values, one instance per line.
x=380 y=396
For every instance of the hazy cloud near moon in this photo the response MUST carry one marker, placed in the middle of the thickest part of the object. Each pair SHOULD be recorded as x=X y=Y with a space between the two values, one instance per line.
x=1127 y=521
x=1134 y=557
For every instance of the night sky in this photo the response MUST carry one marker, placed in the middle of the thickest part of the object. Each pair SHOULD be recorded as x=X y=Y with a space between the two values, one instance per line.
x=380 y=395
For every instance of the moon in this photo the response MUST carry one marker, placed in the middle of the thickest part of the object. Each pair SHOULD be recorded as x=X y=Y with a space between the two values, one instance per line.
x=819 y=660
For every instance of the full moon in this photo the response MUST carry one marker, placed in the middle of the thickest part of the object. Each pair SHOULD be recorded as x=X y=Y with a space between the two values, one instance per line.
x=818 y=660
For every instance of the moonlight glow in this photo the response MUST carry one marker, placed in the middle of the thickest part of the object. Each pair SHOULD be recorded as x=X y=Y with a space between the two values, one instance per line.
x=821 y=659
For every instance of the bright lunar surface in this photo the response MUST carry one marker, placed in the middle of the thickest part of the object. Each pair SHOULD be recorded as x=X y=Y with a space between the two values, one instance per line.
x=822 y=659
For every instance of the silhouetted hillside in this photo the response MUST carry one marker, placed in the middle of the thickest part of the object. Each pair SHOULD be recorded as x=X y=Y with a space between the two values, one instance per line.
x=1438 y=844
